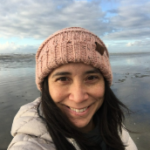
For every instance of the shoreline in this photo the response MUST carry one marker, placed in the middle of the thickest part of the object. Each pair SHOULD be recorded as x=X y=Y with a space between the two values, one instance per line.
x=130 y=84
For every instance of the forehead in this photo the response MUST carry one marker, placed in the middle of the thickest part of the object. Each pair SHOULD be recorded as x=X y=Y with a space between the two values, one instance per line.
x=74 y=65
x=75 y=68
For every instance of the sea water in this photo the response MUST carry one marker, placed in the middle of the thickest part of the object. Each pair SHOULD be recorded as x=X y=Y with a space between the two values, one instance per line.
x=131 y=84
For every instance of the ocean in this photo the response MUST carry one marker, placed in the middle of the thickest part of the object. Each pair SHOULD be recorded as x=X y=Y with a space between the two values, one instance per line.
x=131 y=84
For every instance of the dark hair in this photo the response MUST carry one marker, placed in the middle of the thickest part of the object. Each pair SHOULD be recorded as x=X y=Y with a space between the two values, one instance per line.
x=60 y=128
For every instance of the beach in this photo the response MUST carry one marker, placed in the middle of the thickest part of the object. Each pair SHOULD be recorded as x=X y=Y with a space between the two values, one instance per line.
x=131 y=84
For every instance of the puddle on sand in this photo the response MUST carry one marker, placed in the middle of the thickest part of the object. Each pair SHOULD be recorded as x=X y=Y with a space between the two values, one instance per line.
x=131 y=84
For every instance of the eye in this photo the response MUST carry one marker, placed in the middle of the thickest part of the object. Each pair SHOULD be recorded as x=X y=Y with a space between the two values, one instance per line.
x=62 y=79
x=92 y=77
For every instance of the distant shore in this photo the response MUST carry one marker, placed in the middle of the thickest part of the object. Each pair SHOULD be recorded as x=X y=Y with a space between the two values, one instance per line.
x=32 y=54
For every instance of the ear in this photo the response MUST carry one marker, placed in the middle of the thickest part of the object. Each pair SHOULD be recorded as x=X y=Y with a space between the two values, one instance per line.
x=100 y=48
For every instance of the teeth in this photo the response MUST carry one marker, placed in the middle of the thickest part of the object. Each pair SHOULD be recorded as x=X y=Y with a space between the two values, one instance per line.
x=78 y=110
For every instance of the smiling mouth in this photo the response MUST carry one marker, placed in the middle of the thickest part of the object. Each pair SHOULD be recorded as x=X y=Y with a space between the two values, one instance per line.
x=78 y=110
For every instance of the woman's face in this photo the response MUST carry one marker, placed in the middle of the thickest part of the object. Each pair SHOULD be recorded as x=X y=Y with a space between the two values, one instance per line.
x=78 y=90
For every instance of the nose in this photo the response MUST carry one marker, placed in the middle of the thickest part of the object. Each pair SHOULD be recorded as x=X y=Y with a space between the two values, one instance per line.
x=78 y=93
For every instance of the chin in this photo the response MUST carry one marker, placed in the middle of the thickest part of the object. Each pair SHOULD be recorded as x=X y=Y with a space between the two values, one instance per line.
x=80 y=125
x=83 y=126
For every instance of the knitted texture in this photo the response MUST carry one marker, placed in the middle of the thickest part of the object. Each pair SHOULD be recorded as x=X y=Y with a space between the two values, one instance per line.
x=72 y=44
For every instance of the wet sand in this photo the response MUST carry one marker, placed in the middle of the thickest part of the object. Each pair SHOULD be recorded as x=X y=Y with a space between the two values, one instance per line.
x=131 y=84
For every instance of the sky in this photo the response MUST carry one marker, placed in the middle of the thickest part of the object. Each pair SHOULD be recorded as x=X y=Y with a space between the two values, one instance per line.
x=123 y=25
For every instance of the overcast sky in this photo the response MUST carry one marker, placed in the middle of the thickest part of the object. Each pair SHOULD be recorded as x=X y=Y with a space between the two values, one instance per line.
x=123 y=25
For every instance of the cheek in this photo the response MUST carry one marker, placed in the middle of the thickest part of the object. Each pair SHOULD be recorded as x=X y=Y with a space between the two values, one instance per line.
x=100 y=98
x=99 y=91
x=56 y=94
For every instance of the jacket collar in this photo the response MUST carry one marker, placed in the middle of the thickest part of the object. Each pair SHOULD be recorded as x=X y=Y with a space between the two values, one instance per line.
x=28 y=119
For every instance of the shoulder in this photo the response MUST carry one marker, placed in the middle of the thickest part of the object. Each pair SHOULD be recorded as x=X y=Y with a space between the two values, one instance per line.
x=26 y=118
x=127 y=140
x=28 y=107
x=28 y=129
x=28 y=142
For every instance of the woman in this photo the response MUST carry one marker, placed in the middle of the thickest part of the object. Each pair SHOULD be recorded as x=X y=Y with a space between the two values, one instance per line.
x=77 y=109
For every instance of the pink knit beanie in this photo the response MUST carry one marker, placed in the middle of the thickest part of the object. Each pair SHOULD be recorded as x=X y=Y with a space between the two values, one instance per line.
x=72 y=44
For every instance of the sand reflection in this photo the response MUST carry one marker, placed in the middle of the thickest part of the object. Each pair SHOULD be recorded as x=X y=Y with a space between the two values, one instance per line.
x=131 y=83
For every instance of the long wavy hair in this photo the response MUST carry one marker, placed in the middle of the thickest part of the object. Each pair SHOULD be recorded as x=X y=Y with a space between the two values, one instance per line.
x=60 y=128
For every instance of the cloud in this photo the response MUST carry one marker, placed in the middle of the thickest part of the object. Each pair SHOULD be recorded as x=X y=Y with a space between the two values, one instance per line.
x=122 y=27
x=129 y=34
x=144 y=43
x=38 y=19
x=131 y=21
x=10 y=47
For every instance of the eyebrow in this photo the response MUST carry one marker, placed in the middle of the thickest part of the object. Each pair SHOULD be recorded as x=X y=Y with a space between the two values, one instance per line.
x=68 y=73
